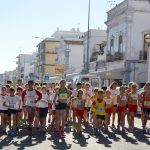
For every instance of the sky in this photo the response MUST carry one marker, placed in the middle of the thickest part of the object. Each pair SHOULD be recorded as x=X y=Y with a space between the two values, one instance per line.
x=22 y=20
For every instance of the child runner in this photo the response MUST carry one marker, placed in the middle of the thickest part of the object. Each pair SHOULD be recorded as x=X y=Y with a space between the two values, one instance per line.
x=43 y=108
x=145 y=103
x=108 y=108
x=122 y=103
x=13 y=103
x=88 y=102
x=79 y=110
x=61 y=107
x=114 y=92
x=93 y=110
x=3 y=108
x=99 y=105
x=32 y=97
x=132 y=98
x=19 y=113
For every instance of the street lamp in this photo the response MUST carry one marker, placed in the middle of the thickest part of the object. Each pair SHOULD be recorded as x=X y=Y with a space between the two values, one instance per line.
x=88 y=36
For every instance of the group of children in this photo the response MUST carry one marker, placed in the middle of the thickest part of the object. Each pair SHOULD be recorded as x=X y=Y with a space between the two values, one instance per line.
x=59 y=104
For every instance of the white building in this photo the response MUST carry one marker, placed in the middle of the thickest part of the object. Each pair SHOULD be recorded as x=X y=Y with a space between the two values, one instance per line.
x=96 y=37
x=25 y=65
x=127 y=25
x=70 y=51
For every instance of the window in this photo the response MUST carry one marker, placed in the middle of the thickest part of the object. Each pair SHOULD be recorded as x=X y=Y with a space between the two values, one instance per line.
x=112 y=45
x=120 y=45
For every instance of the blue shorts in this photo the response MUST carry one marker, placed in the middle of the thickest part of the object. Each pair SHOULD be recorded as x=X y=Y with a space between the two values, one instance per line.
x=43 y=112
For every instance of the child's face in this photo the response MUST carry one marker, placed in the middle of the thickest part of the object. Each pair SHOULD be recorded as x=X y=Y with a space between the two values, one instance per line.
x=44 y=90
x=11 y=92
x=19 y=92
x=108 y=93
x=134 y=88
x=3 y=91
x=80 y=94
x=100 y=95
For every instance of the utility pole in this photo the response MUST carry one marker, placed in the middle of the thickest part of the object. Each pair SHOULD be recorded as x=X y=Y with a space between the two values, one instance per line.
x=88 y=36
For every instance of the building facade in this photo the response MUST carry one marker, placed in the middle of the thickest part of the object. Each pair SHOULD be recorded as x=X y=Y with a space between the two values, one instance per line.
x=70 y=51
x=126 y=58
x=46 y=58
x=24 y=62
x=96 y=36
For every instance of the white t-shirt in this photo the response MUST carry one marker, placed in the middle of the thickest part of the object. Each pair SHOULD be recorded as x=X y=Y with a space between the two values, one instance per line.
x=13 y=102
x=2 y=100
x=114 y=94
x=30 y=98
x=87 y=97
x=52 y=95
x=43 y=103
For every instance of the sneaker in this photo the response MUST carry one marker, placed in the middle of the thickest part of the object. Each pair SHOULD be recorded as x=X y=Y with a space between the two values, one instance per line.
x=58 y=133
x=123 y=131
x=62 y=133
x=113 y=126
x=144 y=131
x=118 y=128
x=80 y=134
x=49 y=120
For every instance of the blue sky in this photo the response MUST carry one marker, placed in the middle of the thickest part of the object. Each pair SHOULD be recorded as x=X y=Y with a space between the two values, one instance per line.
x=22 y=20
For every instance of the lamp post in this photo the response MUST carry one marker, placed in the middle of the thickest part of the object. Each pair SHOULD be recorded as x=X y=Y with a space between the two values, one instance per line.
x=88 y=36
x=147 y=40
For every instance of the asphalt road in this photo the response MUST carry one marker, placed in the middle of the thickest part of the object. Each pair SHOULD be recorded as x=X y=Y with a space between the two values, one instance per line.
x=113 y=140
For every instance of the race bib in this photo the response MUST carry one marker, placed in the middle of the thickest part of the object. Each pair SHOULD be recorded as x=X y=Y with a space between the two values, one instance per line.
x=100 y=109
x=147 y=103
x=12 y=105
x=108 y=101
x=63 y=96
x=134 y=97
x=79 y=103
x=123 y=98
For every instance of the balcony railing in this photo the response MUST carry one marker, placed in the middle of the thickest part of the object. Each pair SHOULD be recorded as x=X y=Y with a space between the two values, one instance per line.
x=116 y=56
x=143 y=55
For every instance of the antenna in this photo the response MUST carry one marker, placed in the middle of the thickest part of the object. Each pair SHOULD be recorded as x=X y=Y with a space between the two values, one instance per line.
x=78 y=26
x=112 y=3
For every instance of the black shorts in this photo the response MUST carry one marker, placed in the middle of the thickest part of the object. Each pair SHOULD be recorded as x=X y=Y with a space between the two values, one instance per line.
x=12 y=111
x=87 y=109
x=43 y=112
x=102 y=117
x=4 y=111
x=61 y=106
x=20 y=110
x=146 y=111
x=115 y=106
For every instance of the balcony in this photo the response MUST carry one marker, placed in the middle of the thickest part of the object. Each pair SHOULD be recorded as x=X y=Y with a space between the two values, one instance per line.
x=143 y=55
x=115 y=57
x=118 y=56
x=109 y=58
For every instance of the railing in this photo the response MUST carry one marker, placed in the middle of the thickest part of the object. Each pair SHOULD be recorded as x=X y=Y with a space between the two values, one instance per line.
x=143 y=55
x=116 y=56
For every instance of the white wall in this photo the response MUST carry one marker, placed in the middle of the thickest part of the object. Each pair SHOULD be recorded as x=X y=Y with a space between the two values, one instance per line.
x=76 y=57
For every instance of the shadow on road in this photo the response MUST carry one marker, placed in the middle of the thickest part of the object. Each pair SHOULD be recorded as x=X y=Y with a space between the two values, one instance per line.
x=81 y=140
x=104 y=140
x=59 y=143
